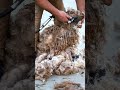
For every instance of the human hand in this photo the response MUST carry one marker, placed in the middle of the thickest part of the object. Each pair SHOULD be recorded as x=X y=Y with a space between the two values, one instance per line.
x=62 y=16
x=82 y=21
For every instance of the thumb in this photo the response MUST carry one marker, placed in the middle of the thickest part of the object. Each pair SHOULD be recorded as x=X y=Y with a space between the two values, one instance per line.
x=69 y=17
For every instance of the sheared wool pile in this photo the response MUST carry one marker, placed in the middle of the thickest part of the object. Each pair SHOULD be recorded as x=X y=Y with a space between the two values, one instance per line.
x=68 y=85
x=56 y=50
x=58 y=64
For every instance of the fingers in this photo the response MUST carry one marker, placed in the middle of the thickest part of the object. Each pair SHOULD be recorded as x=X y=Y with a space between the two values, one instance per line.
x=68 y=17
x=80 y=23
x=63 y=17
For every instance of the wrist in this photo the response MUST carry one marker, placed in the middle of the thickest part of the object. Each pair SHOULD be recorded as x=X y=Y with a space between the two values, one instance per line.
x=56 y=13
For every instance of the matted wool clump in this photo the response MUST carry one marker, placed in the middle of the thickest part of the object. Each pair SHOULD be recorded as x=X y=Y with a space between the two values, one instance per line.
x=68 y=85
x=57 y=39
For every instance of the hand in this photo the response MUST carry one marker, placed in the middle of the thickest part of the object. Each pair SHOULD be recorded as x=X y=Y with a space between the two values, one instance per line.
x=81 y=22
x=62 y=16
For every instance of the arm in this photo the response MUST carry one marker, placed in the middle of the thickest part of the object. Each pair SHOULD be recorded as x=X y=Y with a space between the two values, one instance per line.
x=45 y=4
x=60 y=15
x=81 y=5
x=81 y=8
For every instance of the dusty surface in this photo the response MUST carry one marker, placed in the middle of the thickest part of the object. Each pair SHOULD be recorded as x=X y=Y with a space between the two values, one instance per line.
x=55 y=79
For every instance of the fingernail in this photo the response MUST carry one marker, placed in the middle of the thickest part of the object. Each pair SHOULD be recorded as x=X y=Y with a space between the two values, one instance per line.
x=70 y=17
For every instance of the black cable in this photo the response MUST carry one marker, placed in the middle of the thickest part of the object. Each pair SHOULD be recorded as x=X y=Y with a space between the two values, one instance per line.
x=11 y=8
x=45 y=23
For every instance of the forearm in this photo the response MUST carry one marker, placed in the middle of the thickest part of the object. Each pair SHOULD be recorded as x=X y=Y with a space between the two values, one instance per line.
x=81 y=5
x=45 y=4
